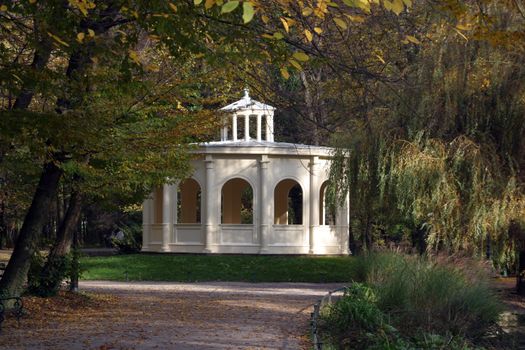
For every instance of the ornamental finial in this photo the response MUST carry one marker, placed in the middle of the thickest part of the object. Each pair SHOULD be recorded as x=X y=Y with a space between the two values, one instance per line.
x=246 y=93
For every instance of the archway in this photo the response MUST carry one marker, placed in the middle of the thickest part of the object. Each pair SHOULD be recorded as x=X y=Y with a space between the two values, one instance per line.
x=288 y=203
x=237 y=202
x=189 y=202
x=327 y=208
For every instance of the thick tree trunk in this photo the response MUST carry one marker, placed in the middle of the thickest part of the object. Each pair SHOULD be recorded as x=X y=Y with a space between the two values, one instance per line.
x=16 y=272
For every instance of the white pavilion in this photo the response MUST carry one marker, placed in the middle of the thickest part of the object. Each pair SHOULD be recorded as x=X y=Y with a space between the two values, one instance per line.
x=248 y=195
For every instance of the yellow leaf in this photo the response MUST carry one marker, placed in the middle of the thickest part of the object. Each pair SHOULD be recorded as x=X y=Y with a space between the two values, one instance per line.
x=208 y=4
x=413 y=39
x=91 y=32
x=3 y=8
x=57 y=39
x=380 y=58
x=197 y=2
x=340 y=23
x=301 y=56
x=173 y=7
x=361 y=4
x=134 y=56
x=318 y=30
x=285 y=25
x=80 y=37
x=32 y=1
x=265 y=19
x=463 y=27
x=284 y=73
x=229 y=6
x=278 y=35
x=296 y=64
x=308 y=34
x=397 y=6
x=247 y=12
x=94 y=60
x=356 y=18
x=307 y=11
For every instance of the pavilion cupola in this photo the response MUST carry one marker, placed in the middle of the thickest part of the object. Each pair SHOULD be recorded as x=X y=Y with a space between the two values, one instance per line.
x=244 y=115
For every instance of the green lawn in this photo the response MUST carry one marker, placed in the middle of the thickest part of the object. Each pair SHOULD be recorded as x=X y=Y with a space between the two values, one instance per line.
x=185 y=268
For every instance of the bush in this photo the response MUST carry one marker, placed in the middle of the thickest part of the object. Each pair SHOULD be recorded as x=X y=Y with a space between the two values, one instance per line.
x=45 y=276
x=131 y=240
x=356 y=321
x=417 y=303
x=422 y=295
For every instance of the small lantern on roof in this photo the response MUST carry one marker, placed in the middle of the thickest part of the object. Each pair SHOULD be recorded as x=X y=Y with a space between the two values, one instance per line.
x=245 y=109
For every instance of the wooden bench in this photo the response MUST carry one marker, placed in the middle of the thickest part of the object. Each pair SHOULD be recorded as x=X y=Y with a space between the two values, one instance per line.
x=9 y=303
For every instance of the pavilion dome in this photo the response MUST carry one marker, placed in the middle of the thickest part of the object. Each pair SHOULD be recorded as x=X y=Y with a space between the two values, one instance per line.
x=237 y=122
x=247 y=103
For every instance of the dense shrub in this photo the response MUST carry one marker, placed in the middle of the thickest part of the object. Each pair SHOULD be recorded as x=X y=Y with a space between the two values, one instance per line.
x=422 y=301
x=356 y=321
x=131 y=240
x=46 y=274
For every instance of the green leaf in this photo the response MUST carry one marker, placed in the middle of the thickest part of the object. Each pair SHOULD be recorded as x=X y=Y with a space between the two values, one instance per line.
x=278 y=35
x=229 y=6
x=197 y=2
x=340 y=23
x=301 y=56
x=247 y=11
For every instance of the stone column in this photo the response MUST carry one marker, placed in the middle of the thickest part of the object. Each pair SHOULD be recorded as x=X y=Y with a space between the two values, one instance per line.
x=314 y=201
x=344 y=218
x=210 y=214
x=234 y=127
x=269 y=127
x=167 y=223
x=259 y=131
x=146 y=222
x=265 y=204
x=247 y=127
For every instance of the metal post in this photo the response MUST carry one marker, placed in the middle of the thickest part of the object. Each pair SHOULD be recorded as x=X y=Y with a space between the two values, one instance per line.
x=73 y=287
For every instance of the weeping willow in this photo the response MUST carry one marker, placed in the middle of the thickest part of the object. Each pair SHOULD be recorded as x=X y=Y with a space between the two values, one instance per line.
x=451 y=176
x=453 y=190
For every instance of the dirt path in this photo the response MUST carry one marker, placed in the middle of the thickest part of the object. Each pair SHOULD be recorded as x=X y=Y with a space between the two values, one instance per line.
x=218 y=315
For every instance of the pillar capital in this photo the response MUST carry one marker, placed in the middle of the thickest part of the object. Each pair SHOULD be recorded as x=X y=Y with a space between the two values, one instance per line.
x=208 y=161
x=263 y=161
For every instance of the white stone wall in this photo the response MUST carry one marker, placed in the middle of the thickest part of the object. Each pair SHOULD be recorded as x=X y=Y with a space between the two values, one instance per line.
x=263 y=168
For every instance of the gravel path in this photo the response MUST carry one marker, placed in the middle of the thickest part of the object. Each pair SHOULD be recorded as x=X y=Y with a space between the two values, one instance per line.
x=150 y=315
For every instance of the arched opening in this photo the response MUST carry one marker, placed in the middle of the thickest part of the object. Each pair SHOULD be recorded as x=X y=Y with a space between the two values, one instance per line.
x=237 y=202
x=189 y=202
x=288 y=203
x=240 y=126
x=158 y=198
x=327 y=208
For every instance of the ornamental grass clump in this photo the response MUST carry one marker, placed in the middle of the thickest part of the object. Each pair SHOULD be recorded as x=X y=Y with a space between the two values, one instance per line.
x=419 y=300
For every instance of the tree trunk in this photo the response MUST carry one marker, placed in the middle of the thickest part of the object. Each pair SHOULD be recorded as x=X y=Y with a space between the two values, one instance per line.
x=40 y=59
x=16 y=272
x=68 y=226
x=520 y=273
x=55 y=268
x=3 y=225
